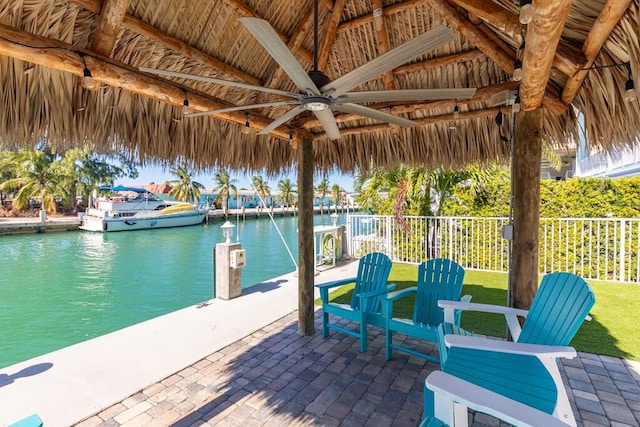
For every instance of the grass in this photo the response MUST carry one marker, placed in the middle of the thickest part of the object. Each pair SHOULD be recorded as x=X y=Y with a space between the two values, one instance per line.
x=612 y=330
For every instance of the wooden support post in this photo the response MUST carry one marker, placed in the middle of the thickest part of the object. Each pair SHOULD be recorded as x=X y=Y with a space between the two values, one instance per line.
x=526 y=208
x=306 y=263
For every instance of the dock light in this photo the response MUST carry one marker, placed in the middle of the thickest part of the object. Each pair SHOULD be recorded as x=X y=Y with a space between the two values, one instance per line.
x=88 y=81
x=247 y=126
x=456 y=112
x=629 y=89
x=227 y=231
x=334 y=219
x=517 y=70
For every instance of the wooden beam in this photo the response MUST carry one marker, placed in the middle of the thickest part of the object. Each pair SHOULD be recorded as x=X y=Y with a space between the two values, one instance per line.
x=600 y=31
x=474 y=34
x=455 y=58
x=482 y=95
x=380 y=28
x=140 y=27
x=527 y=156
x=296 y=41
x=466 y=115
x=328 y=4
x=306 y=241
x=390 y=10
x=330 y=34
x=51 y=53
x=243 y=10
x=111 y=17
x=499 y=17
x=543 y=36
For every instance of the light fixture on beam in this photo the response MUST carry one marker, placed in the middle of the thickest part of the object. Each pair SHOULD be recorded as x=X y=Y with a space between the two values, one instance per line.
x=517 y=70
x=456 y=111
x=247 y=126
x=526 y=11
x=629 y=88
x=515 y=108
x=88 y=82
x=186 y=109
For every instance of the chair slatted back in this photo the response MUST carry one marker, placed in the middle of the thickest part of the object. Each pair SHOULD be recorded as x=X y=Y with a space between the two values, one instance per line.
x=438 y=279
x=558 y=310
x=373 y=273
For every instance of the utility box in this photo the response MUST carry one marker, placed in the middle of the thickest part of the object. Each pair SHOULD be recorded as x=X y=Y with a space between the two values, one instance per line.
x=228 y=279
x=237 y=258
x=507 y=231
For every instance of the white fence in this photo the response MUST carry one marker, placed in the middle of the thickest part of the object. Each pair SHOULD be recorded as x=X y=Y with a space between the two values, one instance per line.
x=600 y=249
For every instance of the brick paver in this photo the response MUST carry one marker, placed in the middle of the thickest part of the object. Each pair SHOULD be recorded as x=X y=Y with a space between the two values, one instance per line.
x=274 y=377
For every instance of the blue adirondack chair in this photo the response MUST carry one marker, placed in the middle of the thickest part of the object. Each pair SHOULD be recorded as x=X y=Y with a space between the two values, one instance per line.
x=438 y=279
x=453 y=398
x=370 y=287
x=525 y=370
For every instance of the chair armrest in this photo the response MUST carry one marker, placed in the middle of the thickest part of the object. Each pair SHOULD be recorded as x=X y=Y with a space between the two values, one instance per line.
x=335 y=283
x=401 y=293
x=456 y=390
x=487 y=308
x=370 y=294
x=500 y=346
x=510 y=314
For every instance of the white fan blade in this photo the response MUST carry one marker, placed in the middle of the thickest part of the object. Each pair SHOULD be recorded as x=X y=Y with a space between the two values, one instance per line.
x=217 y=81
x=328 y=123
x=269 y=39
x=373 y=114
x=282 y=119
x=241 y=107
x=391 y=59
x=408 y=95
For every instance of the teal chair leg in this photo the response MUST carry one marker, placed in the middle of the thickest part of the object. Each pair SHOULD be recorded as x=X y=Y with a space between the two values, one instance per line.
x=363 y=332
x=429 y=408
x=325 y=324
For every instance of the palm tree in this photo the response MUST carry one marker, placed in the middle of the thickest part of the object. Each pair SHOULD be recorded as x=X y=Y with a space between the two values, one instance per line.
x=184 y=187
x=224 y=185
x=34 y=177
x=287 y=192
x=336 y=195
x=261 y=188
x=321 y=191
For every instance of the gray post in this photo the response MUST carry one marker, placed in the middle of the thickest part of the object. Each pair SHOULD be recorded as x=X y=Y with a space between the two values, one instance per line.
x=228 y=280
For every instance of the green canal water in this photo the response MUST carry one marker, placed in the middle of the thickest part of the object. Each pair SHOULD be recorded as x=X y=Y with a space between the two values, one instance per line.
x=58 y=289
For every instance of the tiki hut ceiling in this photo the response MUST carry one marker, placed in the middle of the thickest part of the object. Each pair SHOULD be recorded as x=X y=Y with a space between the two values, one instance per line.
x=573 y=56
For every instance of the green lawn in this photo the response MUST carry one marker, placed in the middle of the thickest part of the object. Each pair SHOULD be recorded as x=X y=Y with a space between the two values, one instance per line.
x=612 y=330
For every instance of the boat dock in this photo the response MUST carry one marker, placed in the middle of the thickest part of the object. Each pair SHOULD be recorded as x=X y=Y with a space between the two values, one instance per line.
x=33 y=225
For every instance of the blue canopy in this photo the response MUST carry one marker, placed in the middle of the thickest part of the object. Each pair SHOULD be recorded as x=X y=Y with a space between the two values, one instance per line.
x=121 y=188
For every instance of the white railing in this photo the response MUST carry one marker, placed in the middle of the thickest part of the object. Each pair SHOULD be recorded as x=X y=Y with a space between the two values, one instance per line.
x=594 y=248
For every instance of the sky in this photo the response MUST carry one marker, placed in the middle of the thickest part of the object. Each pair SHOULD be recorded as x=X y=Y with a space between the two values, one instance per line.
x=158 y=175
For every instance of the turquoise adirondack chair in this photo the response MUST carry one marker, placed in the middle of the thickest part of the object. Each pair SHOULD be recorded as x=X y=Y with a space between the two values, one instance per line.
x=525 y=370
x=453 y=398
x=370 y=287
x=438 y=279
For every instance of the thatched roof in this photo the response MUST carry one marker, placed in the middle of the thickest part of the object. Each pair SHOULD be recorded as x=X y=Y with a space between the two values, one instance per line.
x=44 y=45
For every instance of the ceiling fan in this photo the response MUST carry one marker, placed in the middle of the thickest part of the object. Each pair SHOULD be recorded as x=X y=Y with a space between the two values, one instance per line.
x=322 y=96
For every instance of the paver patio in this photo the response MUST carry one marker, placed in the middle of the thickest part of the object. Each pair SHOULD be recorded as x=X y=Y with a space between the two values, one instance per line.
x=275 y=377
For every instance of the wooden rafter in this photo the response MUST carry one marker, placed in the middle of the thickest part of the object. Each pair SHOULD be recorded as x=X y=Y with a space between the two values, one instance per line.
x=609 y=17
x=543 y=36
x=243 y=10
x=390 y=10
x=330 y=34
x=140 y=27
x=429 y=64
x=328 y=4
x=296 y=41
x=491 y=12
x=474 y=114
x=482 y=95
x=109 y=24
x=64 y=57
x=380 y=28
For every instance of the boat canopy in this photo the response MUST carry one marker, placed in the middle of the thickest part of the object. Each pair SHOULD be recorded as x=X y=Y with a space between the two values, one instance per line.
x=121 y=188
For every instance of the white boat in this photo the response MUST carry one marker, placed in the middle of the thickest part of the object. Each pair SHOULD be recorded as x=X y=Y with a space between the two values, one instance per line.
x=138 y=209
